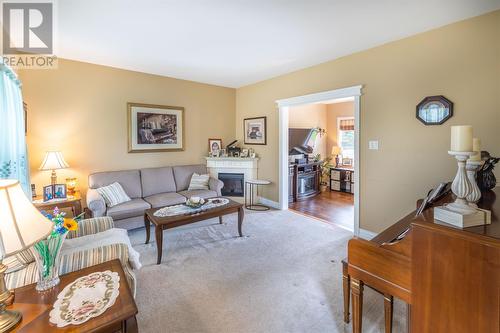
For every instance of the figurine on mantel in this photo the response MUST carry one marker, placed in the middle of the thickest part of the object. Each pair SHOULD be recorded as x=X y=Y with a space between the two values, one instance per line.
x=485 y=177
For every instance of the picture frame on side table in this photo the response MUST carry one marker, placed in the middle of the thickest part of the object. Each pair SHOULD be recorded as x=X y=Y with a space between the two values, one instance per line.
x=155 y=128
x=60 y=191
x=255 y=131
x=48 y=193
x=347 y=162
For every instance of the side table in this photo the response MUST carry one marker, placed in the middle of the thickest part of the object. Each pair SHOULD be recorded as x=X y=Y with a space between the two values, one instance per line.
x=72 y=201
x=252 y=186
x=35 y=306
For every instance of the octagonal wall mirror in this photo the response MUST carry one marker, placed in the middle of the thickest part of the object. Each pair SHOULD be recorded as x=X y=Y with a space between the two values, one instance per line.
x=434 y=110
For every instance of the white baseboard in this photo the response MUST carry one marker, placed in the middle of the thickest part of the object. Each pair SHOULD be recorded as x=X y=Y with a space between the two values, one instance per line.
x=366 y=234
x=267 y=202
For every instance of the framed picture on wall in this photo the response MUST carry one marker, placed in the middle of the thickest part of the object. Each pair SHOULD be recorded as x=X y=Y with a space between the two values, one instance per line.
x=155 y=128
x=255 y=131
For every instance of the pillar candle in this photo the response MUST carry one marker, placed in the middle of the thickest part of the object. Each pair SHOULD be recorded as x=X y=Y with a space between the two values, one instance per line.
x=476 y=146
x=461 y=138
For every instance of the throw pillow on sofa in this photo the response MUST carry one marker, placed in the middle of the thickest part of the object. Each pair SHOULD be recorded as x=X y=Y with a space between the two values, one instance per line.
x=198 y=182
x=113 y=194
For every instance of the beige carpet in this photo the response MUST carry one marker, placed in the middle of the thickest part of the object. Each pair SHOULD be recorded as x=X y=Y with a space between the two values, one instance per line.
x=283 y=276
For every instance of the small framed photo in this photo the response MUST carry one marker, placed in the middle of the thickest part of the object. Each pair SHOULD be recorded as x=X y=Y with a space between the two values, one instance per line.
x=347 y=161
x=60 y=191
x=222 y=153
x=214 y=145
x=244 y=152
x=48 y=193
x=255 y=130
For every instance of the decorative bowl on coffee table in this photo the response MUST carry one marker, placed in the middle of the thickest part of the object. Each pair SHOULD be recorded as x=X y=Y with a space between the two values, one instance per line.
x=195 y=202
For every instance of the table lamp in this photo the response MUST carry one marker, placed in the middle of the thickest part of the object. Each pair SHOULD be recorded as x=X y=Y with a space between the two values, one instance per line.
x=53 y=160
x=21 y=226
x=336 y=152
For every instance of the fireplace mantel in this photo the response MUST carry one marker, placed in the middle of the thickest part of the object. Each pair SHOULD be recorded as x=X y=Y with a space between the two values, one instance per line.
x=242 y=165
x=232 y=162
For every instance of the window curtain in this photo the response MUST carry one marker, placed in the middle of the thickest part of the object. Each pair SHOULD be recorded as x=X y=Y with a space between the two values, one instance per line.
x=13 y=152
x=346 y=124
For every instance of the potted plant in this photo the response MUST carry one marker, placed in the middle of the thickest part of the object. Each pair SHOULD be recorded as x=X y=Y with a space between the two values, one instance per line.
x=325 y=171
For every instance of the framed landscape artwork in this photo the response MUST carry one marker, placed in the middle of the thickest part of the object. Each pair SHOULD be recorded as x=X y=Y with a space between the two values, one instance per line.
x=155 y=128
x=255 y=130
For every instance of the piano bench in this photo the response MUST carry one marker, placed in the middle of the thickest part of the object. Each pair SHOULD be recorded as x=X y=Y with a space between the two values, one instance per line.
x=346 y=287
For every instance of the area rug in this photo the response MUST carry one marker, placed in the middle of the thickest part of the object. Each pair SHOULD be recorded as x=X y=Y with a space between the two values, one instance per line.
x=284 y=275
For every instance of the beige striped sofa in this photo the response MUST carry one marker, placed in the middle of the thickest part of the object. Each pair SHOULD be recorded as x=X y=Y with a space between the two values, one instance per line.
x=22 y=269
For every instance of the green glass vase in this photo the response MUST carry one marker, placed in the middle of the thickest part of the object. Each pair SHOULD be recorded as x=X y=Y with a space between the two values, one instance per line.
x=47 y=254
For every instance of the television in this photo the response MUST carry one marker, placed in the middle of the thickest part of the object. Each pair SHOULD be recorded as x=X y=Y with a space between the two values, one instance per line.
x=301 y=140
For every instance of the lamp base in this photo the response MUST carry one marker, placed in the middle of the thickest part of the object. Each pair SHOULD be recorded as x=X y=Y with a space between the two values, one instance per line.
x=53 y=178
x=9 y=319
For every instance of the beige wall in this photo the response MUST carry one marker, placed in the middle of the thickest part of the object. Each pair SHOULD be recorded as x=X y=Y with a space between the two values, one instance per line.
x=460 y=61
x=310 y=116
x=81 y=110
x=334 y=111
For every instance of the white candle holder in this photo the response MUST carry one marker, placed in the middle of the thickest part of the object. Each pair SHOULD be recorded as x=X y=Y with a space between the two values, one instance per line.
x=461 y=185
x=472 y=167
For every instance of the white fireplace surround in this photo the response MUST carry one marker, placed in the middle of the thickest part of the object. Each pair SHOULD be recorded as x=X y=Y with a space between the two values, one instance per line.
x=243 y=165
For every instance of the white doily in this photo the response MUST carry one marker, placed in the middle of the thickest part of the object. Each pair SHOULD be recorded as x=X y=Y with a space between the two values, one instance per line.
x=183 y=209
x=85 y=298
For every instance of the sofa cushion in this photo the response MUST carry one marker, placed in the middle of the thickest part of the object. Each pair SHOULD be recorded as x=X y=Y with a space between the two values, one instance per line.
x=165 y=199
x=130 y=180
x=183 y=173
x=205 y=194
x=134 y=207
x=157 y=180
x=198 y=182
x=113 y=194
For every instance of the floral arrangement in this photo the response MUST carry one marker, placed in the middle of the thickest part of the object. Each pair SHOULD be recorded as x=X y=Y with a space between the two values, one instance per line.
x=47 y=251
x=62 y=224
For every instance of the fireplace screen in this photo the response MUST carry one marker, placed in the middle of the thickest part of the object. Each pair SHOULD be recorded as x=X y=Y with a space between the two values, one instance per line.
x=233 y=184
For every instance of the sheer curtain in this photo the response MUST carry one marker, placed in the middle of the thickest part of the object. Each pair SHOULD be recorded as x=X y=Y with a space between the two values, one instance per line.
x=13 y=154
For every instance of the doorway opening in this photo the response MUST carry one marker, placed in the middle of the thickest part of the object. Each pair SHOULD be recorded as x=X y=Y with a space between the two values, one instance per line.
x=319 y=155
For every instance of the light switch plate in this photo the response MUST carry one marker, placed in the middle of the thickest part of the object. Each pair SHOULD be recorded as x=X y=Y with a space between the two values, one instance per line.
x=373 y=144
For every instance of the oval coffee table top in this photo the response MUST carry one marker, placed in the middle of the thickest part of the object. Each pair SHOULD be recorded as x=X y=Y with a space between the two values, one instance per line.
x=258 y=181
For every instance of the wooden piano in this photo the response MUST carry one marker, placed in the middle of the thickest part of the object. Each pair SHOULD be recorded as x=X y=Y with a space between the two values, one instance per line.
x=449 y=277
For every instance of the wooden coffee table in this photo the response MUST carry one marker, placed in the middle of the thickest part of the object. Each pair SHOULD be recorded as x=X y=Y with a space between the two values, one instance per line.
x=169 y=222
x=36 y=306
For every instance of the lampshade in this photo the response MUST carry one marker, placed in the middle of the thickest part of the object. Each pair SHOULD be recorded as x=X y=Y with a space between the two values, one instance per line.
x=53 y=160
x=21 y=224
x=335 y=150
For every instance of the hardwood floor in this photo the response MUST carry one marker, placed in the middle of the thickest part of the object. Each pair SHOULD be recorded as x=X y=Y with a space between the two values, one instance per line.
x=329 y=206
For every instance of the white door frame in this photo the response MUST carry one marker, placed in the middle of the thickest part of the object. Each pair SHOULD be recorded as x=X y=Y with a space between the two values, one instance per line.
x=284 y=106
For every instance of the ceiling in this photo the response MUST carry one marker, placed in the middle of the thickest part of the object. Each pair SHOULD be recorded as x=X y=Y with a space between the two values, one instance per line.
x=233 y=43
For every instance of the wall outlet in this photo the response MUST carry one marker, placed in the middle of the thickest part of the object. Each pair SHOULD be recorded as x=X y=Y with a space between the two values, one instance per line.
x=373 y=144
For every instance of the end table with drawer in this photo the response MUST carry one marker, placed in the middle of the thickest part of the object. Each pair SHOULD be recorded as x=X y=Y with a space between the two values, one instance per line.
x=35 y=306
x=72 y=201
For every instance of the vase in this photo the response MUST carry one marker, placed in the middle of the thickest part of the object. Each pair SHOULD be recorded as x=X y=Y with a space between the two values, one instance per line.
x=47 y=254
